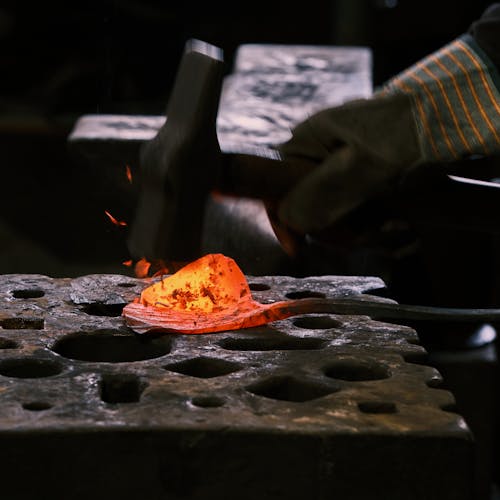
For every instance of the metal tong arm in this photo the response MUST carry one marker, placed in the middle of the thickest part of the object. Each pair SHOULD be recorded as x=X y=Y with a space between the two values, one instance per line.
x=389 y=310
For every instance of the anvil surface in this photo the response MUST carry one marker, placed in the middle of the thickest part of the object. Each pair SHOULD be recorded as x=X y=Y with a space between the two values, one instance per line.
x=316 y=407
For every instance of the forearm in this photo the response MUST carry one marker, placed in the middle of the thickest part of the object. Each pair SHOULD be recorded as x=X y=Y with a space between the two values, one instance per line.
x=456 y=93
x=443 y=108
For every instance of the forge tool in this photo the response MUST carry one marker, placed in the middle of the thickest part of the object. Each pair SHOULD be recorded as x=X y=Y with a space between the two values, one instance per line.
x=211 y=294
x=183 y=163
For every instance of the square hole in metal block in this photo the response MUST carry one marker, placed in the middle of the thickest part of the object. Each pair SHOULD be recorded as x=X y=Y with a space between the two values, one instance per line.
x=28 y=293
x=8 y=344
x=121 y=388
x=29 y=368
x=21 y=323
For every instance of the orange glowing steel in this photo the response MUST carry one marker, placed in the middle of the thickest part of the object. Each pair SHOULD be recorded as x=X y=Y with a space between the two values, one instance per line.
x=210 y=294
x=128 y=173
x=206 y=285
x=141 y=268
x=128 y=263
x=115 y=221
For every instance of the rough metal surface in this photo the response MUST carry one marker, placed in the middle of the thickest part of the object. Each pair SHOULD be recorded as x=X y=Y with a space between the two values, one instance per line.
x=315 y=407
x=274 y=87
x=271 y=88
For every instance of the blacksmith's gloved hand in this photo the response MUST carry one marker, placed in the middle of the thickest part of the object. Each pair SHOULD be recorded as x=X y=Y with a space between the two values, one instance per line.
x=445 y=107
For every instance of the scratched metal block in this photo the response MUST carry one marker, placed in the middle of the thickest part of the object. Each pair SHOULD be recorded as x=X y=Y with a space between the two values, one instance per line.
x=270 y=89
x=273 y=87
x=312 y=407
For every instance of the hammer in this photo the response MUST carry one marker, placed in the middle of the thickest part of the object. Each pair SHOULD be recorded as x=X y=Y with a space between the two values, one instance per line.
x=183 y=164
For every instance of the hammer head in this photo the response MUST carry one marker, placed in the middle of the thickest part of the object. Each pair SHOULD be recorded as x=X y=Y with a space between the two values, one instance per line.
x=180 y=164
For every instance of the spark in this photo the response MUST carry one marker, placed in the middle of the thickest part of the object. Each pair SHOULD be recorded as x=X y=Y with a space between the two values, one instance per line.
x=115 y=221
x=128 y=173
x=142 y=268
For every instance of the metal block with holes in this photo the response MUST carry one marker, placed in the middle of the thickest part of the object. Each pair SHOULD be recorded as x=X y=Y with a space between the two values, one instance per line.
x=315 y=407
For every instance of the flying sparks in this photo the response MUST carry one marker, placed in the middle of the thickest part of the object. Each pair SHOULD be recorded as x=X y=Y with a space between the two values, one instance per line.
x=128 y=173
x=115 y=221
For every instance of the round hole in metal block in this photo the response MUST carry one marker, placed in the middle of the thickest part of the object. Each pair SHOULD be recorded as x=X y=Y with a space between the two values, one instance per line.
x=8 y=344
x=413 y=341
x=356 y=370
x=37 y=406
x=417 y=358
x=121 y=388
x=259 y=287
x=450 y=407
x=109 y=310
x=272 y=344
x=305 y=294
x=29 y=368
x=435 y=383
x=127 y=285
x=208 y=402
x=204 y=367
x=288 y=388
x=28 y=293
x=111 y=346
x=377 y=407
x=380 y=291
x=316 y=322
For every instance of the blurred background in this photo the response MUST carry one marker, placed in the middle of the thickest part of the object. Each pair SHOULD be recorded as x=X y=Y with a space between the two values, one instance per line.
x=65 y=58
x=59 y=60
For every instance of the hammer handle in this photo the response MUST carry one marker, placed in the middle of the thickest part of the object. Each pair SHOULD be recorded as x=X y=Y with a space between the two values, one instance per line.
x=264 y=175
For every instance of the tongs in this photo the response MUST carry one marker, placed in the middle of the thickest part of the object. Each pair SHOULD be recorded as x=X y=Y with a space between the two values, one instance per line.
x=171 y=305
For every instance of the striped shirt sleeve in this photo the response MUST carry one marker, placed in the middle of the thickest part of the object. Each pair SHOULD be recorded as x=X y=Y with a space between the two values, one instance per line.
x=456 y=97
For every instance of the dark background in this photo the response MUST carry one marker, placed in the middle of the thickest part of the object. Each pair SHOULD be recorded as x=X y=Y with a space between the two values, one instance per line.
x=120 y=56
x=60 y=60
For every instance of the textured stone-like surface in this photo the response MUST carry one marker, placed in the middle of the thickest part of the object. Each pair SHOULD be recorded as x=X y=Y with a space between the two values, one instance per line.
x=311 y=407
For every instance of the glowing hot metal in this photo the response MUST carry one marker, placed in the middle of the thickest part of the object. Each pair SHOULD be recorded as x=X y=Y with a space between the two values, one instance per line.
x=211 y=294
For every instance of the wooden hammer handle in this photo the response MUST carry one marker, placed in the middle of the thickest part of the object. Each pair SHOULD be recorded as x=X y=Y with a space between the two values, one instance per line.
x=263 y=175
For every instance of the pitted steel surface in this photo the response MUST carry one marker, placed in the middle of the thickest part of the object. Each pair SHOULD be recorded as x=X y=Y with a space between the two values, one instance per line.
x=357 y=389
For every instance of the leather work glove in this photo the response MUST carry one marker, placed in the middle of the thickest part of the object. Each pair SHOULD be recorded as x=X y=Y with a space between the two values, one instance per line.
x=444 y=108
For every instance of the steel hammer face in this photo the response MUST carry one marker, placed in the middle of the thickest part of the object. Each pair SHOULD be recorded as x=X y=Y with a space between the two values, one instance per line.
x=180 y=164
